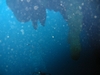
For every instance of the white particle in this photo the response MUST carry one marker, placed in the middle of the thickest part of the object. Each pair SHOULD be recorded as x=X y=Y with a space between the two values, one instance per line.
x=7 y=36
x=63 y=25
x=52 y=36
x=26 y=9
x=28 y=0
x=82 y=3
x=36 y=7
x=12 y=16
x=21 y=0
x=95 y=16
x=61 y=4
x=71 y=4
x=80 y=7
x=12 y=49
x=22 y=31
x=54 y=28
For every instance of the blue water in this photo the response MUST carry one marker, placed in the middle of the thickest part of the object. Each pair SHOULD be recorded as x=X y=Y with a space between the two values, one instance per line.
x=24 y=50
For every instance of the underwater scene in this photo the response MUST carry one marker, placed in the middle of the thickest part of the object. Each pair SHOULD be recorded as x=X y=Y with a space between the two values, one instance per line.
x=49 y=37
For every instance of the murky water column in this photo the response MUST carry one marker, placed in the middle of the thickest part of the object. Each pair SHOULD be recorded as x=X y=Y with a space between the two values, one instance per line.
x=75 y=24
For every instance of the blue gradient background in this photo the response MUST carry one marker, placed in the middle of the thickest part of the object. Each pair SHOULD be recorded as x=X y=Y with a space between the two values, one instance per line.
x=24 y=50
